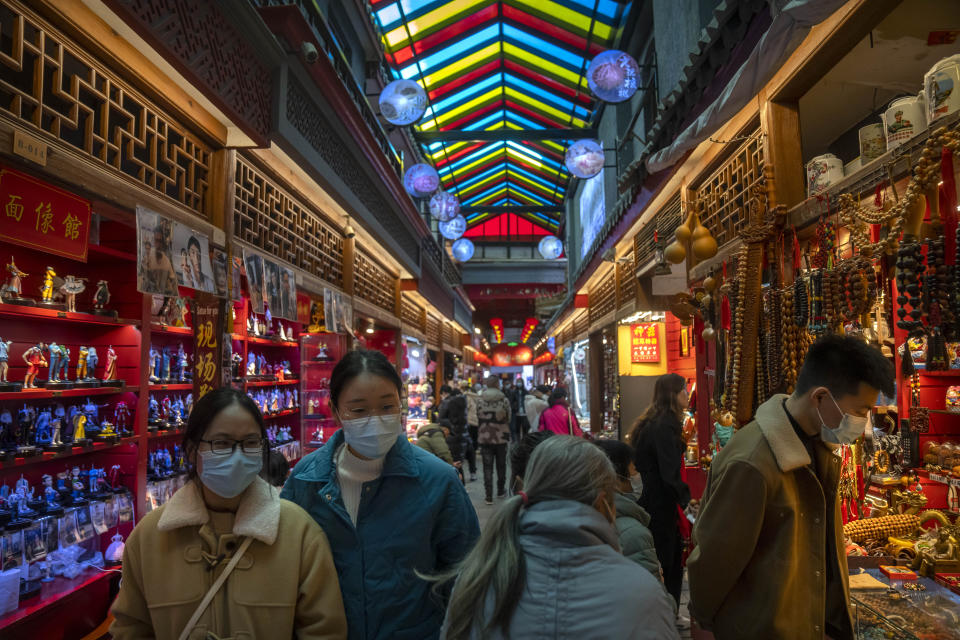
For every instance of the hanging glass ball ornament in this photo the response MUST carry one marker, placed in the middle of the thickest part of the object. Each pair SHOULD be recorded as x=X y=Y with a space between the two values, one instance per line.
x=403 y=102
x=421 y=180
x=613 y=76
x=444 y=206
x=585 y=158
x=550 y=247
x=453 y=228
x=462 y=249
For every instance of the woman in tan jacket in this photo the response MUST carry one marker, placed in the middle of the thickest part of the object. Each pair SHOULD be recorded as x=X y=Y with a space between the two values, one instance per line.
x=281 y=581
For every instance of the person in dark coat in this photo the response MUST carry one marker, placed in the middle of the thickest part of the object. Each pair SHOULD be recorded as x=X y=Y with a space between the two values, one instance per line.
x=453 y=414
x=658 y=457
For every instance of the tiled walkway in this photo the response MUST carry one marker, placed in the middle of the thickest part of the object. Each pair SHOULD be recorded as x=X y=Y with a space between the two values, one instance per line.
x=475 y=491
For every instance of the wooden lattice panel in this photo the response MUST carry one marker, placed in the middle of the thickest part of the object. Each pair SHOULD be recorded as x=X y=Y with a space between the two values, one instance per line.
x=371 y=282
x=723 y=196
x=270 y=218
x=433 y=330
x=411 y=313
x=581 y=324
x=661 y=226
x=451 y=336
x=627 y=279
x=603 y=299
x=48 y=83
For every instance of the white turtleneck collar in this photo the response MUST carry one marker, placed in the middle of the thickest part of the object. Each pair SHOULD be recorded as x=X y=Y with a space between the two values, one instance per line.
x=352 y=473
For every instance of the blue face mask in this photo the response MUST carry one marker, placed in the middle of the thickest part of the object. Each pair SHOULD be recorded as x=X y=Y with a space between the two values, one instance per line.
x=374 y=436
x=229 y=476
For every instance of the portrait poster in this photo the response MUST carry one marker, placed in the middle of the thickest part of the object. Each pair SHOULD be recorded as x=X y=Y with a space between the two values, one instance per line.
x=155 y=271
x=191 y=258
x=338 y=312
x=288 y=295
x=271 y=289
x=253 y=264
x=218 y=259
x=236 y=271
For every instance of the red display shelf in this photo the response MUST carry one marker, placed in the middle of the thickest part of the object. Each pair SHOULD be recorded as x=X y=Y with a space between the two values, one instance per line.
x=949 y=373
x=41 y=394
x=53 y=591
x=280 y=414
x=165 y=434
x=97 y=249
x=165 y=328
x=237 y=337
x=271 y=383
x=179 y=386
x=325 y=363
x=67 y=453
x=53 y=315
x=270 y=342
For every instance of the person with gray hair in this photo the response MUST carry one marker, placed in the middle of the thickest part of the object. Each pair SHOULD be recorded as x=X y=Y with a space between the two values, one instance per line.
x=548 y=563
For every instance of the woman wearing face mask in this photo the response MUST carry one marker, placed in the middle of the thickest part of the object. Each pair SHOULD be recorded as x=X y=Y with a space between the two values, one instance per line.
x=225 y=557
x=548 y=563
x=390 y=509
x=659 y=449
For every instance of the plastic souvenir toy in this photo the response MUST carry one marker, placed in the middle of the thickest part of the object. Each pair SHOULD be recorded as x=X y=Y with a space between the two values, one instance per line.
x=34 y=359
x=121 y=416
x=12 y=292
x=72 y=286
x=110 y=368
x=183 y=364
x=56 y=424
x=50 y=496
x=251 y=364
x=54 y=350
x=189 y=405
x=101 y=297
x=287 y=372
x=8 y=439
x=236 y=360
x=26 y=432
x=46 y=290
x=43 y=434
x=262 y=365
x=5 y=385
x=91 y=367
x=322 y=355
x=79 y=422
x=64 y=363
x=154 y=365
x=82 y=363
x=165 y=364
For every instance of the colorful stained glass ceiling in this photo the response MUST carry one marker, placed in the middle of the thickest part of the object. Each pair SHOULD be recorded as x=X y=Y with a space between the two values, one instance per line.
x=490 y=65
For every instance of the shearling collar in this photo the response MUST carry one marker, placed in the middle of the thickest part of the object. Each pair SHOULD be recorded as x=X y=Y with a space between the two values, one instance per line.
x=258 y=515
x=775 y=426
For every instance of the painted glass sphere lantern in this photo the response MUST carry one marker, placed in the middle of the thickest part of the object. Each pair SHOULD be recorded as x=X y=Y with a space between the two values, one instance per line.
x=585 y=158
x=613 y=76
x=462 y=249
x=453 y=228
x=421 y=180
x=403 y=102
x=550 y=247
x=444 y=206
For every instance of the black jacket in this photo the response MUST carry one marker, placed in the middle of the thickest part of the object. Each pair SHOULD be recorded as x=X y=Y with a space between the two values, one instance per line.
x=658 y=458
x=454 y=409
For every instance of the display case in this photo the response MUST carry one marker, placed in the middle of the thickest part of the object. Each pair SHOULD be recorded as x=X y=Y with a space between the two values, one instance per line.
x=319 y=354
x=914 y=610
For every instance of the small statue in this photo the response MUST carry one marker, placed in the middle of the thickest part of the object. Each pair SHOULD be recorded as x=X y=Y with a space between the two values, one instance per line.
x=54 y=350
x=101 y=297
x=46 y=290
x=121 y=416
x=236 y=361
x=92 y=411
x=43 y=434
x=251 y=364
x=56 y=424
x=262 y=365
x=165 y=366
x=82 y=363
x=153 y=412
x=64 y=374
x=50 y=494
x=34 y=359
x=14 y=286
x=4 y=358
x=79 y=428
x=177 y=413
x=278 y=372
x=189 y=405
x=110 y=369
x=70 y=288
x=183 y=364
x=91 y=363
x=178 y=313
x=287 y=371
x=154 y=363
x=8 y=438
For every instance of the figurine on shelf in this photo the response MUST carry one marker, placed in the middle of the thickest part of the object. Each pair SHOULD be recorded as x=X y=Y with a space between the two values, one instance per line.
x=64 y=374
x=46 y=290
x=34 y=359
x=121 y=417
x=296 y=399
x=178 y=413
x=154 y=363
x=72 y=286
x=251 y=364
x=287 y=371
x=268 y=326
x=50 y=495
x=262 y=365
x=101 y=297
x=153 y=414
x=82 y=363
x=8 y=438
x=110 y=369
x=179 y=313
x=251 y=325
x=4 y=359
x=165 y=366
x=165 y=412
x=92 y=410
x=322 y=355
x=43 y=434
x=26 y=418
x=56 y=424
x=188 y=405
x=183 y=364
x=288 y=400
x=12 y=292
x=92 y=360
x=79 y=422
x=76 y=483
x=236 y=361
x=278 y=372
x=54 y=350
x=107 y=432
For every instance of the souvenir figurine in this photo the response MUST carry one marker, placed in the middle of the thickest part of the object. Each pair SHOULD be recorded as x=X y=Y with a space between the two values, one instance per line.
x=101 y=298
x=82 y=363
x=269 y=323
x=154 y=363
x=50 y=288
x=189 y=404
x=107 y=432
x=79 y=422
x=153 y=414
x=92 y=360
x=8 y=437
x=183 y=364
x=250 y=325
x=34 y=359
x=43 y=434
x=12 y=292
x=322 y=355
x=165 y=413
x=121 y=417
x=51 y=497
x=71 y=286
x=262 y=365
x=92 y=410
x=177 y=411
x=5 y=385
x=236 y=361
x=54 y=350
x=64 y=374
x=287 y=371
x=251 y=365
x=278 y=372
x=165 y=366
x=179 y=313
x=110 y=368
x=77 y=486
x=26 y=418
x=56 y=425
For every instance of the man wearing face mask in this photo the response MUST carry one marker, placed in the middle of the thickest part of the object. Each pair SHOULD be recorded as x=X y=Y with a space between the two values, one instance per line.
x=770 y=559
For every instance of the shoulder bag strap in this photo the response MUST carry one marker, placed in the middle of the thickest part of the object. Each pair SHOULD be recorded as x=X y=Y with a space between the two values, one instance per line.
x=195 y=618
x=570 y=420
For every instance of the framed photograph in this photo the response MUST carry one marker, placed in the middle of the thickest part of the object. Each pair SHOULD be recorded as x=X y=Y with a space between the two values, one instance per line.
x=271 y=272
x=218 y=260
x=34 y=544
x=288 y=294
x=253 y=266
x=191 y=258
x=155 y=271
x=85 y=529
x=12 y=550
x=236 y=271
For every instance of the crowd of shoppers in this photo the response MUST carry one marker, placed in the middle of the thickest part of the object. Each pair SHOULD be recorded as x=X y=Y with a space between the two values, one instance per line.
x=588 y=544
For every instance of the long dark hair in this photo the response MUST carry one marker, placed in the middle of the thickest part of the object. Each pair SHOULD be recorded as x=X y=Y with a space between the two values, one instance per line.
x=664 y=404
x=362 y=361
x=206 y=409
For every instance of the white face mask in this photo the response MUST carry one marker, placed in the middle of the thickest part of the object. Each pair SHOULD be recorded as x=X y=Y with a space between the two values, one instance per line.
x=372 y=437
x=850 y=428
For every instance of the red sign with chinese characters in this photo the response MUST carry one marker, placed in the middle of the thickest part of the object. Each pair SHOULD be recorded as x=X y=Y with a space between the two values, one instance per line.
x=644 y=343
x=208 y=313
x=41 y=216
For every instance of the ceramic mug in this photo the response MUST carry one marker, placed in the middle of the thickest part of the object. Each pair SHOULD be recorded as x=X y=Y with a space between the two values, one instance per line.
x=822 y=172
x=941 y=87
x=873 y=142
x=904 y=119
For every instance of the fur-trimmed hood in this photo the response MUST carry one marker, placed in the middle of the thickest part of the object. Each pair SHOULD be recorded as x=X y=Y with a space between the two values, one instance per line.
x=258 y=515
x=775 y=426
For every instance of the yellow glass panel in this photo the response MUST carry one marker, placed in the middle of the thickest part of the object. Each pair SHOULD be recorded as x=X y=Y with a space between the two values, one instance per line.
x=562 y=116
x=576 y=19
x=457 y=66
x=545 y=66
x=430 y=20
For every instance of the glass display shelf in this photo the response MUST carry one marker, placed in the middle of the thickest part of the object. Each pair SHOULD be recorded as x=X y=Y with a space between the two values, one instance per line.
x=902 y=614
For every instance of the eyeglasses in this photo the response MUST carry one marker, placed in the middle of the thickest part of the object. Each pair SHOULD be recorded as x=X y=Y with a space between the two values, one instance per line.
x=253 y=445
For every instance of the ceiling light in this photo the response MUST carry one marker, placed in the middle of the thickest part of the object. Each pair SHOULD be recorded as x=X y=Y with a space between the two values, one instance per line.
x=371 y=327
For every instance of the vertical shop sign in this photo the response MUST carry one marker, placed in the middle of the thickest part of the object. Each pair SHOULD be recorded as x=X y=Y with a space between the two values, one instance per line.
x=208 y=314
x=644 y=343
x=41 y=216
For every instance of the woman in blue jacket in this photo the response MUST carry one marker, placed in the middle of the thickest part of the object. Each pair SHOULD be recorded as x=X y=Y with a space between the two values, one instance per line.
x=389 y=509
